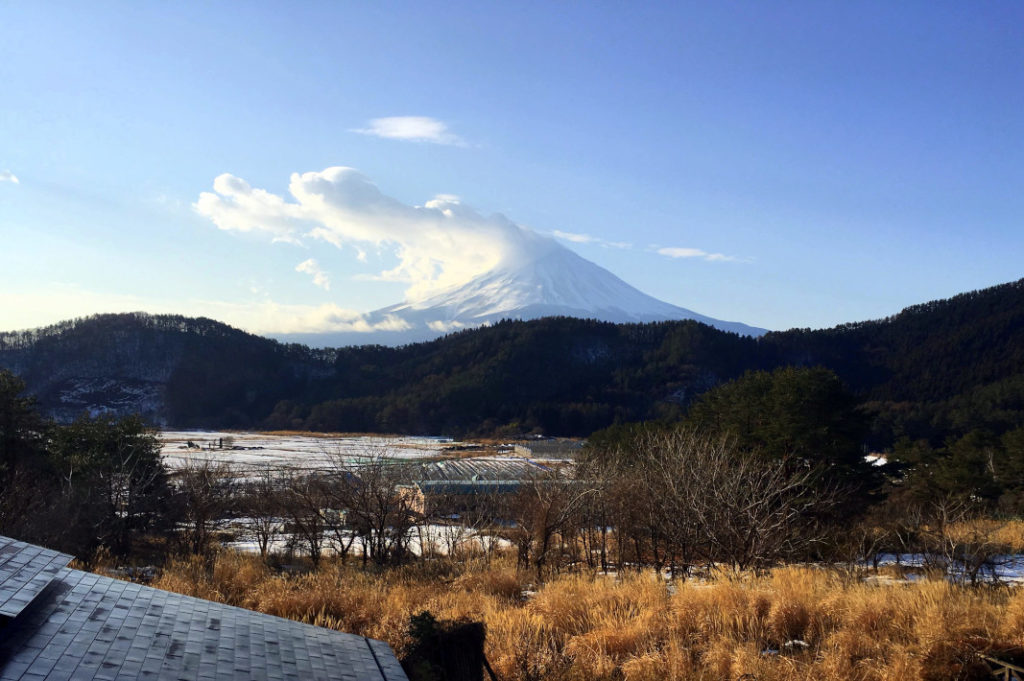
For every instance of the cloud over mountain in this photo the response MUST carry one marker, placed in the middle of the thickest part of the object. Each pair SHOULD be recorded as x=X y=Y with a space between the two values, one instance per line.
x=440 y=244
x=462 y=268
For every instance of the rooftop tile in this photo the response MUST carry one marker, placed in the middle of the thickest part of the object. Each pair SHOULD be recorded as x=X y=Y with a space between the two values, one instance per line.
x=81 y=626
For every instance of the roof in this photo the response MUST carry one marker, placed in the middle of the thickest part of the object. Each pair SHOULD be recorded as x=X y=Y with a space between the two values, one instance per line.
x=479 y=469
x=482 y=475
x=25 y=570
x=84 y=626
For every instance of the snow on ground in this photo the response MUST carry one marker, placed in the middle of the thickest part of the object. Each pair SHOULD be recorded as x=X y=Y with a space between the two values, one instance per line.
x=247 y=450
x=430 y=539
x=1007 y=569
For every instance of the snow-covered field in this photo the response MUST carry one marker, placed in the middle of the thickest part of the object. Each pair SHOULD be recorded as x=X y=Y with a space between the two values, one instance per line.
x=259 y=451
x=440 y=540
x=1007 y=569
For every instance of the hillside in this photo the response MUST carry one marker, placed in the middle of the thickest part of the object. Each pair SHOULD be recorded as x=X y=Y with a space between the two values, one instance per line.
x=942 y=365
x=170 y=369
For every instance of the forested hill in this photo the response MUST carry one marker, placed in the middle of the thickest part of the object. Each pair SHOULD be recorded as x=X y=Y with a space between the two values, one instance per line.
x=932 y=366
x=926 y=352
x=154 y=365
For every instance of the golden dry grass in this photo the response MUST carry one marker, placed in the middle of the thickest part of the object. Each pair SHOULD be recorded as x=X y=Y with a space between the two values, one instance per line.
x=637 y=627
x=1008 y=535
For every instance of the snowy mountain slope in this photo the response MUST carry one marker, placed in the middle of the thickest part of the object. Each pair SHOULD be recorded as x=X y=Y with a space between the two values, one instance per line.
x=545 y=280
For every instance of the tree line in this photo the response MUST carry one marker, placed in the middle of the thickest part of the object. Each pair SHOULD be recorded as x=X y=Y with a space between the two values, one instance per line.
x=761 y=470
x=933 y=372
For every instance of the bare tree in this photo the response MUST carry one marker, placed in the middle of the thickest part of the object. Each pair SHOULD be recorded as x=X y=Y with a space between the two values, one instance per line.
x=630 y=511
x=954 y=534
x=207 y=490
x=615 y=517
x=380 y=505
x=260 y=501
x=459 y=517
x=304 y=501
x=746 y=510
x=547 y=504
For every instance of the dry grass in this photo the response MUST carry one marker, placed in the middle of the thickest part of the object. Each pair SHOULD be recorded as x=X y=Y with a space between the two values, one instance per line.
x=636 y=627
x=1004 y=535
x=1008 y=533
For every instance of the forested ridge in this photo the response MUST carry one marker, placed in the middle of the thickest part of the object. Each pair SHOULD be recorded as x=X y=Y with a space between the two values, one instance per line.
x=942 y=367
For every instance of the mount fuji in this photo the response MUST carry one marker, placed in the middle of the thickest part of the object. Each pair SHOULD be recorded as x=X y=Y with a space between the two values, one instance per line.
x=544 y=280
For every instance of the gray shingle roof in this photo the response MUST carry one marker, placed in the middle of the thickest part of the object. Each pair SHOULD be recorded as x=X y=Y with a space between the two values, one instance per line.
x=25 y=570
x=83 y=626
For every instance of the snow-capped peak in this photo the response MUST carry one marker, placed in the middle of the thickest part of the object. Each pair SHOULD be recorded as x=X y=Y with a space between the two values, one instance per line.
x=555 y=281
x=536 y=277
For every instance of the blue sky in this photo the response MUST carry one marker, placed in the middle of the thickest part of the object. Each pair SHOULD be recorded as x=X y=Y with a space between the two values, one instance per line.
x=780 y=164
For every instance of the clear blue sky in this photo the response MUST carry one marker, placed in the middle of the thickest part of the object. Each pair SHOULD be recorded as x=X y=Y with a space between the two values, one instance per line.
x=776 y=163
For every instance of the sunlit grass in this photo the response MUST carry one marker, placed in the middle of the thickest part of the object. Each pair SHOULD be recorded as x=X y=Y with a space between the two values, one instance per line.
x=637 y=626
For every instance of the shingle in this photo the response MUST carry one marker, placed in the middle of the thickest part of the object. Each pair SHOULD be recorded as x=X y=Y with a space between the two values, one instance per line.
x=25 y=570
x=92 y=628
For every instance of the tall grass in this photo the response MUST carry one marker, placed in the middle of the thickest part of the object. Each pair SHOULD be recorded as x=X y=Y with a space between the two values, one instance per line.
x=792 y=623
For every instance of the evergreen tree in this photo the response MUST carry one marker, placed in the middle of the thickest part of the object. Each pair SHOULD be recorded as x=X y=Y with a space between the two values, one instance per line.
x=112 y=469
x=792 y=411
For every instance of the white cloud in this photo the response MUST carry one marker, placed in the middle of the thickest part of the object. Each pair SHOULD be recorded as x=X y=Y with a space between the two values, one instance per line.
x=412 y=129
x=274 y=318
x=444 y=327
x=311 y=268
x=677 y=252
x=440 y=244
x=682 y=252
x=8 y=176
x=235 y=206
x=57 y=302
x=577 y=238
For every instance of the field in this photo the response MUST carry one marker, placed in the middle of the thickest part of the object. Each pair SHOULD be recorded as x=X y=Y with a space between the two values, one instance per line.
x=790 y=623
x=909 y=619
x=290 y=451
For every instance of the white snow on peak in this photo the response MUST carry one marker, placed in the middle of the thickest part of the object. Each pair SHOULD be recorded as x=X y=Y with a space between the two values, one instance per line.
x=557 y=278
x=536 y=278
x=541 y=279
